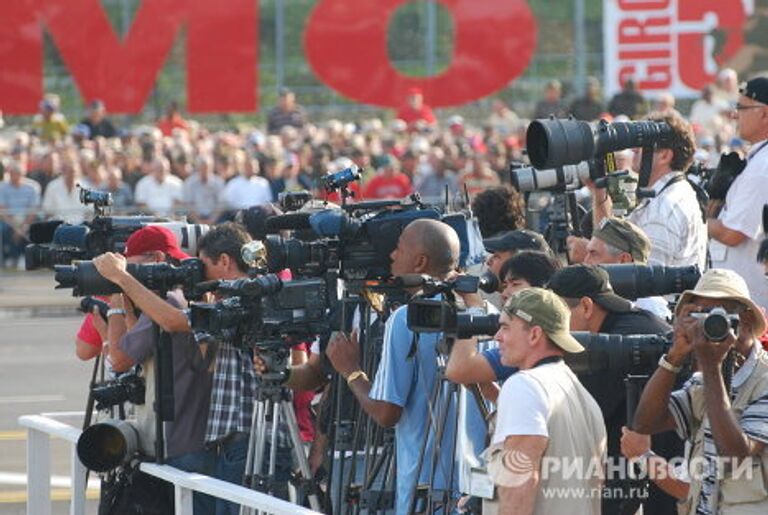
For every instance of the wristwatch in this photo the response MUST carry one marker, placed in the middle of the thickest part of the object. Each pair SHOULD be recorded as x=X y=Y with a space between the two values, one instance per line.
x=669 y=367
x=356 y=375
x=115 y=311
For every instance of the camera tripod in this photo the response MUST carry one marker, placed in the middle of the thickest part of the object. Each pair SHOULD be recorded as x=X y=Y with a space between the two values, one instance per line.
x=361 y=463
x=444 y=407
x=274 y=400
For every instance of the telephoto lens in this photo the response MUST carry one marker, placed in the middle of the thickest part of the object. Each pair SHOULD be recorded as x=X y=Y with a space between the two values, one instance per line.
x=633 y=281
x=557 y=142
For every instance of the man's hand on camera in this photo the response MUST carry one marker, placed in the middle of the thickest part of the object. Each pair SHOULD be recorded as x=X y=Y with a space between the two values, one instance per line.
x=471 y=300
x=344 y=353
x=682 y=345
x=111 y=266
x=709 y=354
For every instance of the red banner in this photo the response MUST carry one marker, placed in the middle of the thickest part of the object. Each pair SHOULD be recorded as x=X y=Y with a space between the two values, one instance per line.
x=671 y=45
x=345 y=42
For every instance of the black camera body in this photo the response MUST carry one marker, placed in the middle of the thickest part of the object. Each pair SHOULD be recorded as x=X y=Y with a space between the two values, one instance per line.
x=443 y=315
x=129 y=387
x=439 y=316
x=265 y=310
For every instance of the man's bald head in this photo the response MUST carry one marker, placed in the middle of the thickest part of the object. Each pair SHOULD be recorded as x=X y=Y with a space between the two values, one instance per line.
x=437 y=241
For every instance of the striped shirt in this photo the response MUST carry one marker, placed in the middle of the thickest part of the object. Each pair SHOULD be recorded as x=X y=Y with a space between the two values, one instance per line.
x=688 y=410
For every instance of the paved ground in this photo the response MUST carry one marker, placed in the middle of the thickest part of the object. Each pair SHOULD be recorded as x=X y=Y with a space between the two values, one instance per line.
x=38 y=373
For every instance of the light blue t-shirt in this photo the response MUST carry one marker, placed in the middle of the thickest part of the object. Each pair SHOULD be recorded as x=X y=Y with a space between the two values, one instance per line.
x=406 y=377
x=493 y=356
x=20 y=201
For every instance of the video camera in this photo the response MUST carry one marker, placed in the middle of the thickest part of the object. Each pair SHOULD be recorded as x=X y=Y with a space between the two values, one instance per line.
x=357 y=242
x=633 y=281
x=266 y=310
x=558 y=142
x=84 y=279
x=58 y=243
x=428 y=315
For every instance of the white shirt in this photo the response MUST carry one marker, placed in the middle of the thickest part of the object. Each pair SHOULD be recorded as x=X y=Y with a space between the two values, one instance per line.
x=62 y=203
x=524 y=407
x=672 y=221
x=242 y=193
x=742 y=212
x=159 y=198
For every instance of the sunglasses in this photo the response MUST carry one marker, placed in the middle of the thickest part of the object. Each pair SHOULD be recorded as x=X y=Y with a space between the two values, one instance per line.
x=739 y=107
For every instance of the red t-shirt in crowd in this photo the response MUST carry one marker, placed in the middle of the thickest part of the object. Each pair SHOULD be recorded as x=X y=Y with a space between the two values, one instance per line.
x=410 y=115
x=88 y=332
x=381 y=187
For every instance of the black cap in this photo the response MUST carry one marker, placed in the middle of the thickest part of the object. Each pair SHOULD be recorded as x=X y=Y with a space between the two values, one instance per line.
x=591 y=281
x=521 y=239
x=756 y=89
x=255 y=217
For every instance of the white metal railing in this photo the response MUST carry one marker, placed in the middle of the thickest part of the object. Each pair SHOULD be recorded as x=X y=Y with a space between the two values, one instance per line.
x=40 y=428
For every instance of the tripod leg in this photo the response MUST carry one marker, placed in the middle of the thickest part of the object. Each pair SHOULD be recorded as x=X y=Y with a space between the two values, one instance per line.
x=250 y=459
x=298 y=450
x=255 y=458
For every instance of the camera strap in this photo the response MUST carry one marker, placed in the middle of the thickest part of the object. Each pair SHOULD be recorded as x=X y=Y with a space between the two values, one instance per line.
x=646 y=164
x=547 y=361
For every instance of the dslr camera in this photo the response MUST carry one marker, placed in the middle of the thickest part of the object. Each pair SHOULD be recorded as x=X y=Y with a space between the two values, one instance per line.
x=717 y=323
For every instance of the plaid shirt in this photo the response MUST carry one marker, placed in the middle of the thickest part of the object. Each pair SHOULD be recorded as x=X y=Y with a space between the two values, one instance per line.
x=233 y=396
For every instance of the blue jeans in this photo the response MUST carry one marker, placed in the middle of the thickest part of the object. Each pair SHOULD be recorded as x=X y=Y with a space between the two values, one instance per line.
x=230 y=467
x=203 y=462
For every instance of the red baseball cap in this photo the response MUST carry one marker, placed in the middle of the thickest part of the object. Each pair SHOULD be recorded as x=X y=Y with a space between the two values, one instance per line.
x=153 y=238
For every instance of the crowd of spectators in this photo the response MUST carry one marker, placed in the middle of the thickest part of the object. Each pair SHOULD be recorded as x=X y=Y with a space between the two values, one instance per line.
x=180 y=167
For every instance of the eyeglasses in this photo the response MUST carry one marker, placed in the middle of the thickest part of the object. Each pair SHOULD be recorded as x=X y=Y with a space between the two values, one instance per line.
x=739 y=107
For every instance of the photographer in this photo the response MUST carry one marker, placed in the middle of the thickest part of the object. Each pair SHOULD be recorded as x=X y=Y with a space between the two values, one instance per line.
x=399 y=393
x=467 y=364
x=617 y=241
x=671 y=219
x=227 y=424
x=503 y=246
x=544 y=412
x=723 y=416
x=595 y=308
x=735 y=225
x=135 y=342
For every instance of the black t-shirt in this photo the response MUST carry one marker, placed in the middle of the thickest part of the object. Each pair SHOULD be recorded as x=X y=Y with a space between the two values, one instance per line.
x=607 y=387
